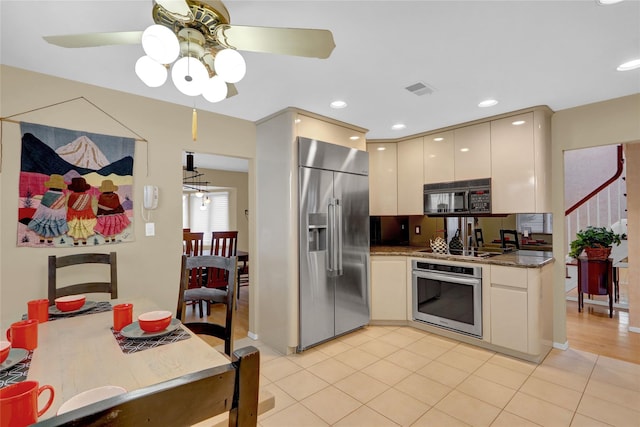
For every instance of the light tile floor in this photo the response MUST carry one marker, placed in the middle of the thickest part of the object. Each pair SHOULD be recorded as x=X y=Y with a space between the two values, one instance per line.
x=400 y=376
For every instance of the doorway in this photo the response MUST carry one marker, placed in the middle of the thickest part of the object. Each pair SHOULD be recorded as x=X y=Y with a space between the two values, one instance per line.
x=215 y=196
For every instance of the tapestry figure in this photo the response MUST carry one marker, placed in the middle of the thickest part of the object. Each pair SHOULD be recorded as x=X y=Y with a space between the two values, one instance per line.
x=50 y=218
x=80 y=215
x=112 y=218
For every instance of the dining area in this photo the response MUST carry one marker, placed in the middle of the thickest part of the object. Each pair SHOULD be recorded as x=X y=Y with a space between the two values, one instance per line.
x=96 y=359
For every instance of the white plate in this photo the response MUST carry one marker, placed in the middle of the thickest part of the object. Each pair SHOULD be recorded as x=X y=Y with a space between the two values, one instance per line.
x=88 y=305
x=16 y=355
x=133 y=330
x=90 y=396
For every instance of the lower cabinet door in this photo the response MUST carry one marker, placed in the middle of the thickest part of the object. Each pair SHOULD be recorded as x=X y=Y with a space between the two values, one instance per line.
x=388 y=288
x=509 y=318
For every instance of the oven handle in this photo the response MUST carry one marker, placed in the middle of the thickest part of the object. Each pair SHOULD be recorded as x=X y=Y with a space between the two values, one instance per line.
x=447 y=278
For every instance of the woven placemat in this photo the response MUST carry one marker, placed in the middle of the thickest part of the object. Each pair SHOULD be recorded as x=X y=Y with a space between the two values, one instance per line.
x=131 y=345
x=100 y=307
x=17 y=373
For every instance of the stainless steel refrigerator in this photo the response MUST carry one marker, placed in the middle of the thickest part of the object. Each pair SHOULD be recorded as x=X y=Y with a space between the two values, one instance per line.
x=334 y=240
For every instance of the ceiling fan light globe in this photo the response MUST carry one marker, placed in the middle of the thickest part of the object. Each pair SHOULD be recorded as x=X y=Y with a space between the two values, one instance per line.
x=230 y=65
x=152 y=73
x=189 y=75
x=161 y=44
x=215 y=89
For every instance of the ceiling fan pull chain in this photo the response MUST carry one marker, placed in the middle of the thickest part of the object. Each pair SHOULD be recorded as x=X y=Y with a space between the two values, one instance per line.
x=194 y=124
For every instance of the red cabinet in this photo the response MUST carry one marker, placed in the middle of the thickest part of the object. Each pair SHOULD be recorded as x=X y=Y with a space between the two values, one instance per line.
x=595 y=277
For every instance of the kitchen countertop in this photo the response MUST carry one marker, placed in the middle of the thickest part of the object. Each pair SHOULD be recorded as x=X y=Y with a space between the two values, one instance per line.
x=517 y=258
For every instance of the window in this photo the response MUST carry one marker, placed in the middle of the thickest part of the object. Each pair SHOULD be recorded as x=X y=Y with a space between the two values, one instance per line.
x=208 y=213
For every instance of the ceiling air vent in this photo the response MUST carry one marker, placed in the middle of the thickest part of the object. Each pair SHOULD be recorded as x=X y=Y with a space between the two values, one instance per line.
x=420 y=89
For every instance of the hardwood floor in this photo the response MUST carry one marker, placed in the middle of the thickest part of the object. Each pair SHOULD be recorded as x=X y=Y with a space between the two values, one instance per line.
x=594 y=331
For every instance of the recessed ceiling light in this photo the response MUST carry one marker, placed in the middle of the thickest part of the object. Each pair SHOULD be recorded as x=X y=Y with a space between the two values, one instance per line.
x=398 y=126
x=297 y=120
x=518 y=122
x=382 y=148
x=630 y=65
x=338 y=104
x=464 y=150
x=487 y=103
x=607 y=2
x=354 y=138
x=438 y=139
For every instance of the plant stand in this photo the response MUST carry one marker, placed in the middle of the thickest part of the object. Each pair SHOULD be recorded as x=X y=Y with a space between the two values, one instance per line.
x=595 y=277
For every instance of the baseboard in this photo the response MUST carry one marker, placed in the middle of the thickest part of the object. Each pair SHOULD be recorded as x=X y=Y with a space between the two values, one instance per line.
x=561 y=346
x=634 y=329
x=252 y=336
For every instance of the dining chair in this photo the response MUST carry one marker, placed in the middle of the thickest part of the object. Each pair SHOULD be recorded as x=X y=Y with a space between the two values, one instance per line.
x=185 y=400
x=209 y=295
x=58 y=262
x=504 y=241
x=192 y=243
x=223 y=243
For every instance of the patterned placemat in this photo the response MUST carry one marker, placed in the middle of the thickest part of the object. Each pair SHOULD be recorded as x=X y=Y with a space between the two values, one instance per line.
x=100 y=307
x=17 y=373
x=129 y=345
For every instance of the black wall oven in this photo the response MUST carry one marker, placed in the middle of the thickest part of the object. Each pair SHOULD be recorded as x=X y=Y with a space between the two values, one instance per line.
x=448 y=296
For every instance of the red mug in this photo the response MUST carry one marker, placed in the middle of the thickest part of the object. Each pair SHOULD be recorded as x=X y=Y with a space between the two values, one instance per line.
x=38 y=309
x=24 y=334
x=122 y=316
x=19 y=403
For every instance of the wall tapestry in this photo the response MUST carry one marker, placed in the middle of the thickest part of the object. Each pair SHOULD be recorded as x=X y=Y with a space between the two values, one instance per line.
x=75 y=188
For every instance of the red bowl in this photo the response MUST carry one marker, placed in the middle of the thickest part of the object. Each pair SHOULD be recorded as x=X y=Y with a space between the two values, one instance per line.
x=5 y=348
x=70 y=302
x=154 y=321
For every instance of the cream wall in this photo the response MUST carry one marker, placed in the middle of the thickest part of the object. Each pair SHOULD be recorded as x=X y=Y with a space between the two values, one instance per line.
x=149 y=265
x=616 y=121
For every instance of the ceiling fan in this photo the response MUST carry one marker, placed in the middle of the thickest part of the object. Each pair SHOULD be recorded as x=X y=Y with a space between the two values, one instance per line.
x=199 y=31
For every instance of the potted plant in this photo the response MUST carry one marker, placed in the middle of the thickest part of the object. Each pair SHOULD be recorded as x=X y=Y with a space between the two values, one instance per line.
x=595 y=241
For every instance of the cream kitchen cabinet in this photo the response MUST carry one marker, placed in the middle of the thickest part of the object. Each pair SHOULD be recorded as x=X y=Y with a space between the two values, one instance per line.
x=388 y=288
x=410 y=176
x=383 y=178
x=521 y=308
x=521 y=163
x=439 y=157
x=472 y=153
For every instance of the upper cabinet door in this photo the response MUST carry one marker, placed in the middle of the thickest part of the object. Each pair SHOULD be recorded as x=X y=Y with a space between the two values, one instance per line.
x=473 y=152
x=439 y=157
x=410 y=177
x=512 y=164
x=383 y=178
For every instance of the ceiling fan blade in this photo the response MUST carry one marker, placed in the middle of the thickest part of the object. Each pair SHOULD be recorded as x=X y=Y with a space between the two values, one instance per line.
x=96 y=39
x=231 y=90
x=179 y=9
x=286 y=41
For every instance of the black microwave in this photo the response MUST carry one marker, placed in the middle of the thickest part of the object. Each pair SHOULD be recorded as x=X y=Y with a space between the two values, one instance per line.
x=458 y=198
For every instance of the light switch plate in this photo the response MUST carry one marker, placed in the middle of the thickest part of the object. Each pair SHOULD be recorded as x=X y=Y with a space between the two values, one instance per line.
x=150 y=229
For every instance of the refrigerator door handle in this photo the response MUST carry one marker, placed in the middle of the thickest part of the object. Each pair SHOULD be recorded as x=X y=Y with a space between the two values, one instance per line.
x=331 y=220
x=339 y=242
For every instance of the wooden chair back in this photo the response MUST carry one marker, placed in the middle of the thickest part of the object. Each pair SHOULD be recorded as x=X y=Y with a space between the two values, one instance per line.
x=512 y=241
x=479 y=237
x=185 y=400
x=58 y=262
x=192 y=243
x=223 y=243
x=230 y=267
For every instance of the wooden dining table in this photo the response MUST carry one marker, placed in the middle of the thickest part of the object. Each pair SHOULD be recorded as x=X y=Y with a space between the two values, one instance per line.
x=80 y=353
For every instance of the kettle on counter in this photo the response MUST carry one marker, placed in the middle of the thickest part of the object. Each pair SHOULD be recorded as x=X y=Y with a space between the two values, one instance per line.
x=439 y=245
